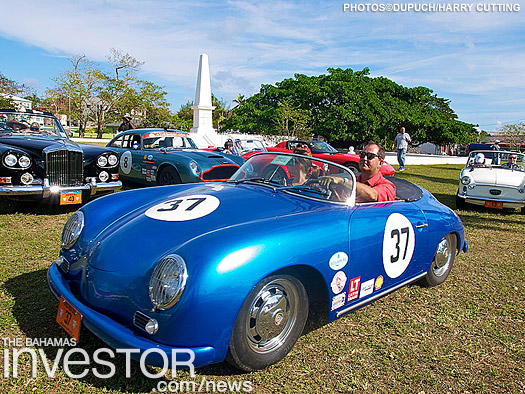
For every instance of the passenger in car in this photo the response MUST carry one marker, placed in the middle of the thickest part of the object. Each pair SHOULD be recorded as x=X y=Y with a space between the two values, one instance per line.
x=512 y=163
x=371 y=185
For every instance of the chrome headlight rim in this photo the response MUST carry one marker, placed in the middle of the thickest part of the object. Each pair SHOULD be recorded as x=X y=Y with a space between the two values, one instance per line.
x=167 y=282
x=24 y=161
x=102 y=161
x=466 y=180
x=10 y=160
x=72 y=229
x=112 y=160
x=195 y=168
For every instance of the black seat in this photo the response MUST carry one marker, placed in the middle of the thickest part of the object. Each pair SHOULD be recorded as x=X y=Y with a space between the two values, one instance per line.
x=405 y=190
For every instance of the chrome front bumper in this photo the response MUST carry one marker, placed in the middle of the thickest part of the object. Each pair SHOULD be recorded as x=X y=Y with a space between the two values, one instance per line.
x=46 y=191
x=481 y=201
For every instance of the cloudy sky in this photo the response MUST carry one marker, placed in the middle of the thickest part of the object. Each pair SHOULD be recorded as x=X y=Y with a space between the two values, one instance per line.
x=474 y=57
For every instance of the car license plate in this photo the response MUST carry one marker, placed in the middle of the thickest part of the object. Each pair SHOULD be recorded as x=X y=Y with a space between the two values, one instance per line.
x=69 y=318
x=494 y=204
x=67 y=198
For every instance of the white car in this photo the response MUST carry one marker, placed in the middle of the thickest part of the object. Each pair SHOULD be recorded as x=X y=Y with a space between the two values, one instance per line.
x=493 y=179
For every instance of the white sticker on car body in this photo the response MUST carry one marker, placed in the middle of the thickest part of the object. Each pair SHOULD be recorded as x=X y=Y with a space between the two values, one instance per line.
x=367 y=288
x=126 y=162
x=338 y=261
x=398 y=244
x=184 y=208
x=338 y=282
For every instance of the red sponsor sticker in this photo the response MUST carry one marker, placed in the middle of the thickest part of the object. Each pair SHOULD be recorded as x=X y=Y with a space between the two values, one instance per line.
x=353 y=290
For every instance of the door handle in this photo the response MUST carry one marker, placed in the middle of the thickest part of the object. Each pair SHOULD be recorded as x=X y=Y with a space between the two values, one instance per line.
x=422 y=225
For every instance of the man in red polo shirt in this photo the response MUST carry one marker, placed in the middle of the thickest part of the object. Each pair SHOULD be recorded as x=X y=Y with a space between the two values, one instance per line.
x=371 y=185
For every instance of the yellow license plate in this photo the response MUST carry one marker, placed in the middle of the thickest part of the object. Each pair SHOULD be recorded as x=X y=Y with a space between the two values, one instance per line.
x=494 y=204
x=67 y=198
x=69 y=318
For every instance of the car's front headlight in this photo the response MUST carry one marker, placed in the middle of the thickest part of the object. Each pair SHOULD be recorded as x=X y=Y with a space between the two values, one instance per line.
x=168 y=281
x=102 y=161
x=112 y=160
x=466 y=180
x=10 y=160
x=195 y=167
x=24 y=161
x=72 y=229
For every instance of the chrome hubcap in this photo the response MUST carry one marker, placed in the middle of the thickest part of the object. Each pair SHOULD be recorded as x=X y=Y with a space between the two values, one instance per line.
x=442 y=258
x=272 y=316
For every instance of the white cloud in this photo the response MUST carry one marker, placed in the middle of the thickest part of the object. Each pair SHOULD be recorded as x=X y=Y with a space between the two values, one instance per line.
x=254 y=42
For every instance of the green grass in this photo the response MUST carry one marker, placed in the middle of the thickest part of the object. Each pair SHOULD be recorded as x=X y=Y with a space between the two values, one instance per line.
x=465 y=336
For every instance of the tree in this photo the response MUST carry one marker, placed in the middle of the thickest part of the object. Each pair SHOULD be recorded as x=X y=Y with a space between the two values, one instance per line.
x=9 y=87
x=514 y=134
x=349 y=105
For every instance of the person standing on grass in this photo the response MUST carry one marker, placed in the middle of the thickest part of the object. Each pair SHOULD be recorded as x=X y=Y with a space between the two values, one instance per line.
x=402 y=139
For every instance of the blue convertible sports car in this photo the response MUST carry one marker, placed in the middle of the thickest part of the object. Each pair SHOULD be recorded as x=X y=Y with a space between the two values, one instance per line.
x=166 y=157
x=228 y=269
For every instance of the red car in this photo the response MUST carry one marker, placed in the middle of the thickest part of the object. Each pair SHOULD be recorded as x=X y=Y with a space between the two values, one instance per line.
x=322 y=150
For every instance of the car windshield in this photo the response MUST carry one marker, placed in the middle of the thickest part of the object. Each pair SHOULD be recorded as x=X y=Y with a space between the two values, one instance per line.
x=507 y=160
x=252 y=145
x=30 y=124
x=318 y=147
x=168 y=140
x=301 y=175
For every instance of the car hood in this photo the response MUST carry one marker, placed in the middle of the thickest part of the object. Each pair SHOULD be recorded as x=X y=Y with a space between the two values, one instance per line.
x=36 y=144
x=200 y=156
x=495 y=176
x=130 y=225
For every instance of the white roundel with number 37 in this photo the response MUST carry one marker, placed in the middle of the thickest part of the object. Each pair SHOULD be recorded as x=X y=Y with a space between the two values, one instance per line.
x=398 y=244
x=180 y=209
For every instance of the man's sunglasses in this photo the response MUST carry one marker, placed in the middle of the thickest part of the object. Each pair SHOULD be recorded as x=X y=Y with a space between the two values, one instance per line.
x=368 y=155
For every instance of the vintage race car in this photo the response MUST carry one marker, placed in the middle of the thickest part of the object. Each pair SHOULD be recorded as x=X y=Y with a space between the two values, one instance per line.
x=228 y=269
x=165 y=157
x=325 y=151
x=493 y=179
x=38 y=161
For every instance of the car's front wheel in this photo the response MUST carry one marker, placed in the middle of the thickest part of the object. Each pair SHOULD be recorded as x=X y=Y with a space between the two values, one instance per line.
x=168 y=176
x=269 y=323
x=442 y=262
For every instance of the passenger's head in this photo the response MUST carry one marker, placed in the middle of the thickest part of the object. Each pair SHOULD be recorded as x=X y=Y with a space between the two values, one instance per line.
x=513 y=159
x=371 y=158
x=479 y=159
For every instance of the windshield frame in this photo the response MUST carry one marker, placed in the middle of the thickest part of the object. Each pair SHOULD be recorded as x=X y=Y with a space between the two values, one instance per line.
x=299 y=190
x=38 y=125
x=502 y=155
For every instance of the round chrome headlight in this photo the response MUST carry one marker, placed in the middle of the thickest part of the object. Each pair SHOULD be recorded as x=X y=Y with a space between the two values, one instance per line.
x=466 y=180
x=167 y=282
x=103 y=176
x=72 y=229
x=26 y=178
x=10 y=160
x=195 y=167
x=102 y=161
x=112 y=160
x=24 y=161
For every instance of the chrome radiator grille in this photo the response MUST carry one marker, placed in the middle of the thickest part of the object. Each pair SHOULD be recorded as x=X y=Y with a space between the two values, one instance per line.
x=65 y=168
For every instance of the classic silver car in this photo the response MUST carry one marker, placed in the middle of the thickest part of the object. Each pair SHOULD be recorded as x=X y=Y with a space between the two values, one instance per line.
x=493 y=179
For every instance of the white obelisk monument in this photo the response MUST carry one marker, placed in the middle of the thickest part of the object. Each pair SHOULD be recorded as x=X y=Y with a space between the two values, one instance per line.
x=202 y=108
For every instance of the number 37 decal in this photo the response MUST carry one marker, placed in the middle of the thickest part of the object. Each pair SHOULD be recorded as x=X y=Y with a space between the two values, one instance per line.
x=398 y=244
x=184 y=208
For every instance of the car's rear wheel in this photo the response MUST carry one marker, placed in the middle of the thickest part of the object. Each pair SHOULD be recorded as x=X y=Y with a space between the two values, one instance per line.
x=442 y=262
x=354 y=167
x=269 y=323
x=168 y=176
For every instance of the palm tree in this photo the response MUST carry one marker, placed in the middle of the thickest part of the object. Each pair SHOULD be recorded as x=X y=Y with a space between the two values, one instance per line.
x=240 y=100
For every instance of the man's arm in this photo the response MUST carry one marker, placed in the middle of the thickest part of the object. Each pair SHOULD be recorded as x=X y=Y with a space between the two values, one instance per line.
x=365 y=193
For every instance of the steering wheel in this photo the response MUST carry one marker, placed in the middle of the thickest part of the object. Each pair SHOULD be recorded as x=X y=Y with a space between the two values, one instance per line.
x=315 y=185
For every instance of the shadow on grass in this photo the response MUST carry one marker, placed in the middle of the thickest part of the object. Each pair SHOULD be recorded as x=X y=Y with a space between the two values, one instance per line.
x=429 y=178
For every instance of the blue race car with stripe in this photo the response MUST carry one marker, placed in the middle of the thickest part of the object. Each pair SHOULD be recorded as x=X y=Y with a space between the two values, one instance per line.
x=229 y=270
x=166 y=157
